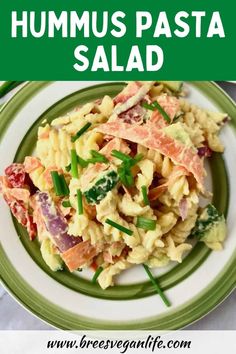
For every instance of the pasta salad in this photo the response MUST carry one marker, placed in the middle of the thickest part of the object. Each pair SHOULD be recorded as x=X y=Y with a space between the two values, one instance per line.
x=116 y=183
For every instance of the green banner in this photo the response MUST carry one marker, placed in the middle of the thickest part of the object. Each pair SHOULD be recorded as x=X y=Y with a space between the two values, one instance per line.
x=117 y=40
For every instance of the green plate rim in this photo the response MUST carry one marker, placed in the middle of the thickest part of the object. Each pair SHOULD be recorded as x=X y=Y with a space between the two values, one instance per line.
x=192 y=310
x=118 y=292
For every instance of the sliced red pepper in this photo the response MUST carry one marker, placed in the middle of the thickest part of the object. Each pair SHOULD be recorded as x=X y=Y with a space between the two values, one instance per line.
x=16 y=175
x=21 y=213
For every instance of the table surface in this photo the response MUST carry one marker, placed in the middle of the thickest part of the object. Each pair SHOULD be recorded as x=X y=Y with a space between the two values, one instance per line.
x=13 y=316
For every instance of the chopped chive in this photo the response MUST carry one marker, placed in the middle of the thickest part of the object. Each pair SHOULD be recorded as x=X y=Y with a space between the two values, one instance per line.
x=131 y=161
x=119 y=155
x=98 y=155
x=156 y=286
x=80 y=132
x=95 y=160
x=135 y=160
x=145 y=223
x=83 y=163
x=80 y=202
x=177 y=117
x=57 y=183
x=74 y=164
x=96 y=275
x=122 y=175
x=119 y=227
x=66 y=204
x=138 y=157
x=68 y=167
x=155 y=105
x=124 y=171
x=125 y=175
x=162 y=111
x=64 y=185
x=148 y=106
x=129 y=179
x=145 y=195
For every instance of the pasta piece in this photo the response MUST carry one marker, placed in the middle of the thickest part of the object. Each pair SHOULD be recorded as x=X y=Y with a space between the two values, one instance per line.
x=175 y=253
x=152 y=239
x=144 y=178
x=113 y=251
x=138 y=255
x=159 y=258
x=162 y=164
x=94 y=233
x=130 y=208
x=107 y=206
x=156 y=90
x=78 y=224
x=182 y=229
x=105 y=279
x=55 y=149
x=38 y=178
x=106 y=106
x=107 y=209
x=91 y=140
x=193 y=129
x=209 y=123
x=179 y=188
x=167 y=221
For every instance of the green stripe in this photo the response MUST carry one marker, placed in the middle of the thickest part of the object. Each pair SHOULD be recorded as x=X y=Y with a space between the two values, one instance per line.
x=175 y=319
x=8 y=86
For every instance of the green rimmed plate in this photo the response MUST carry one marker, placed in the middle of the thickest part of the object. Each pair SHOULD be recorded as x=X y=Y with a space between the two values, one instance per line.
x=132 y=304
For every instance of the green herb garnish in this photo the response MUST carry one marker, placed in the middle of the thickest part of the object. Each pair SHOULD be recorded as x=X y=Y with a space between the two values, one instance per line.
x=64 y=185
x=57 y=183
x=74 y=164
x=137 y=158
x=145 y=195
x=124 y=170
x=119 y=227
x=100 y=157
x=83 y=163
x=66 y=204
x=125 y=175
x=80 y=132
x=148 y=106
x=145 y=223
x=96 y=275
x=177 y=117
x=155 y=106
x=129 y=179
x=162 y=111
x=80 y=202
x=68 y=167
x=121 y=156
x=122 y=175
x=156 y=286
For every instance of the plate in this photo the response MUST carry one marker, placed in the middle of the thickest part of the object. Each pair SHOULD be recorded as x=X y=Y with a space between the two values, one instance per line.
x=70 y=301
